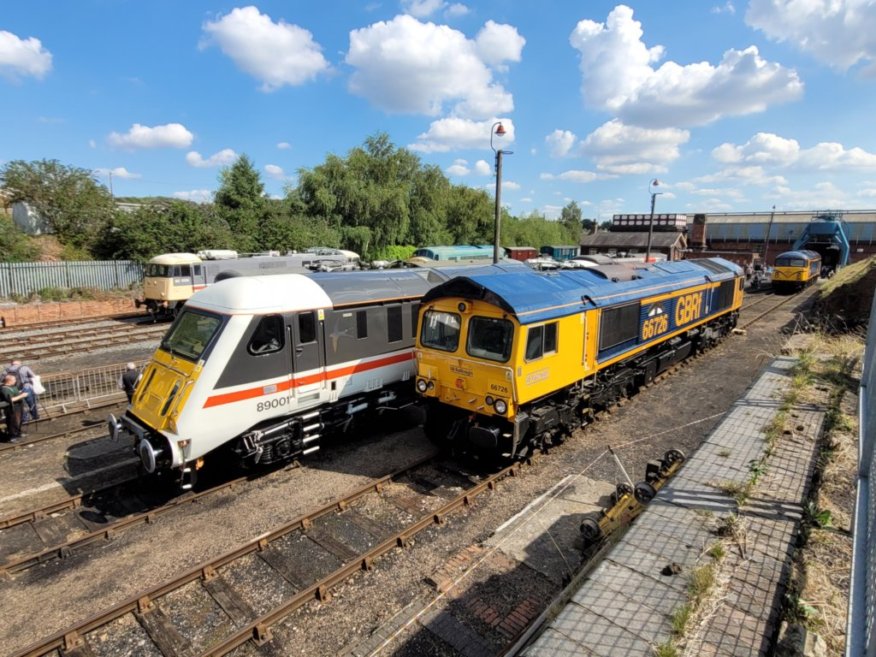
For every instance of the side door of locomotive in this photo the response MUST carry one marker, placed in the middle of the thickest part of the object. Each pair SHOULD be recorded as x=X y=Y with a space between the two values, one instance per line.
x=308 y=360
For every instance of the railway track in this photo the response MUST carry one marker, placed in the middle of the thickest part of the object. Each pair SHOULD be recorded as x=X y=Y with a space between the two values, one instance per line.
x=774 y=303
x=239 y=618
x=299 y=561
x=66 y=433
x=33 y=347
x=69 y=324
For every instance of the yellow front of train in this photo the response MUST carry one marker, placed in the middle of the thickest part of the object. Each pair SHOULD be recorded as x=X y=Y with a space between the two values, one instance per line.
x=168 y=282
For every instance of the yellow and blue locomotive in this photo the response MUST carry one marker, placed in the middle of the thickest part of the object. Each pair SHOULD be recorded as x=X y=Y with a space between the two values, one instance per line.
x=795 y=270
x=511 y=360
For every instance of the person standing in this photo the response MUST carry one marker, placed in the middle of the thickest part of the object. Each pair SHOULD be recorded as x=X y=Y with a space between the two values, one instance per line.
x=129 y=380
x=14 y=399
x=24 y=380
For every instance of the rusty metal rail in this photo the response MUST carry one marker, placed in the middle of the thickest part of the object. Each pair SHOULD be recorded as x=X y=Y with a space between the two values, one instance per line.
x=143 y=603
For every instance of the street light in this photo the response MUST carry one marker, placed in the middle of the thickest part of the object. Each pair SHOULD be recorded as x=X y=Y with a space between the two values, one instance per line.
x=499 y=130
x=653 y=183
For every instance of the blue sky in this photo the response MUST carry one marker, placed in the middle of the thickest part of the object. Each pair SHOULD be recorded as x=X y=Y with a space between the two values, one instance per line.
x=732 y=106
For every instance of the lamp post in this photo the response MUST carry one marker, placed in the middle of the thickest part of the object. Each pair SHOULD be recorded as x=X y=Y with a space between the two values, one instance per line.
x=651 y=185
x=499 y=130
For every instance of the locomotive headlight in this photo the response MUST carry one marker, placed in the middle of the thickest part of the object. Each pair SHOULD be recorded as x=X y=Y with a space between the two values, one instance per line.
x=489 y=400
x=422 y=385
x=501 y=406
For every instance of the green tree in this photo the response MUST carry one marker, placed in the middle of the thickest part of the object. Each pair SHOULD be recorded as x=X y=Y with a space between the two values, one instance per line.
x=377 y=196
x=570 y=218
x=471 y=216
x=75 y=206
x=241 y=201
x=164 y=227
x=15 y=246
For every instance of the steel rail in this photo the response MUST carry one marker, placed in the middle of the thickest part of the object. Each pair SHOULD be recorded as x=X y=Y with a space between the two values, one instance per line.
x=14 y=328
x=259 y=629
x=71 y=637
x=8 y=447
x=62 y=550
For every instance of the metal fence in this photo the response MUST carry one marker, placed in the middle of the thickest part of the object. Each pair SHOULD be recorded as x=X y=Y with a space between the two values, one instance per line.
x=860 y=636
x=24 y=278
x=91 y=387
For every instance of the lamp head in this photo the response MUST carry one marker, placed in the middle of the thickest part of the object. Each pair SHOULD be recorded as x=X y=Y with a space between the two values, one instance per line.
x=500 y=130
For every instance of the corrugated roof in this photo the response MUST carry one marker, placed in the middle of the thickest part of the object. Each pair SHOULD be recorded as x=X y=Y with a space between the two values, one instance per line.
x=624 y=240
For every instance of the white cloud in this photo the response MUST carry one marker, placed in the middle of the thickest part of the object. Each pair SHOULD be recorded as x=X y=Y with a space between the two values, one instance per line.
x=456 y=10
x=224 y=157
x=498 y=44
x=23 y=57
x=118 y=172
x=560 y=142
x=625 y=149
x=617 y=76
x=840 y=33
x=458 y=168
x=170 y=135
x=820 y=195
x=571 y=176
x=482 y=168
x=92 y=143
x=455 y=133
x=510 y=184
x=275 y=172
x=406 y=66
x=284 y=145
x=770 y=149
x=746 y=175
x=278 y=54
x=195 y=195
x=727 y=8
x=422 y=8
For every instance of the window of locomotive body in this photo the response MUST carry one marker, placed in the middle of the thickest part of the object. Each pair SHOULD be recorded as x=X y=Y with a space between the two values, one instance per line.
x=541 y=340
x=180 y=271
x=196 y=269
x=394 y=331
x=618 y=325
x=191 y=333
x=157 y=271
x=307 y=327
x=440 y=330
x=268 y=337
x=490 y=338
x=790 y=262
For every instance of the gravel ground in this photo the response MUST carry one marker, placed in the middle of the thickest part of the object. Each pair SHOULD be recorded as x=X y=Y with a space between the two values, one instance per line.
x=676 y=413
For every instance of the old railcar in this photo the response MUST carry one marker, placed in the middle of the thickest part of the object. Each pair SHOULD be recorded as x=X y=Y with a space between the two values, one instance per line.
x=795 y=270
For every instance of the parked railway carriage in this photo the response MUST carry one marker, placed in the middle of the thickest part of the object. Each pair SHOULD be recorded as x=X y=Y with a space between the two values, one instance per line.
x=795 y=270
x=508 y=363
x=267 y=364
x=171 y=278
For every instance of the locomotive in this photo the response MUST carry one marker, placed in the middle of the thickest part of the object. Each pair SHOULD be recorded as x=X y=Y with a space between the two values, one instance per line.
x=512 y=362
x=171 y=278
x=795 y=270
x=266 y=365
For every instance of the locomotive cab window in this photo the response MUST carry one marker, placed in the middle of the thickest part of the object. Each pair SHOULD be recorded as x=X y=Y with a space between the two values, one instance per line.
x=541 y=340
x=268 y=336
x=490 y=338
x=190 y=334
x=440 y=330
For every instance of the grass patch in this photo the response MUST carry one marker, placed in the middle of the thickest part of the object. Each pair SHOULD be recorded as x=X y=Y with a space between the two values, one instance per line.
x=665 y=649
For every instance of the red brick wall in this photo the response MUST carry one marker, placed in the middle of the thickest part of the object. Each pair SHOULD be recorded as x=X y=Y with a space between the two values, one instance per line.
x=47 y=312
